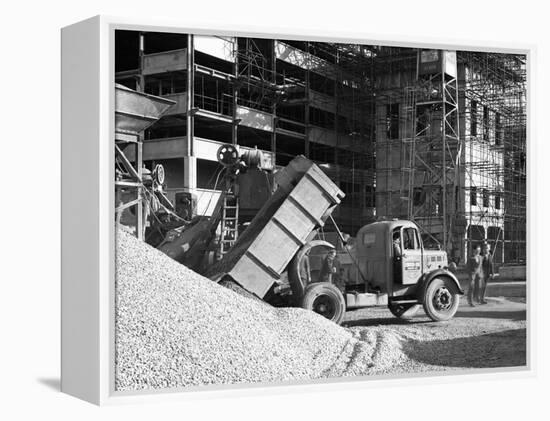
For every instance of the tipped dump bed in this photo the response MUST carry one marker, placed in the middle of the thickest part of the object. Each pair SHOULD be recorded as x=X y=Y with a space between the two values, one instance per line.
x=135 y=111
x=303 y=201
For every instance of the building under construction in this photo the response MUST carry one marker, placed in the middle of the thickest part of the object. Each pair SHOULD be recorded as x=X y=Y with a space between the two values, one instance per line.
x=437 y=137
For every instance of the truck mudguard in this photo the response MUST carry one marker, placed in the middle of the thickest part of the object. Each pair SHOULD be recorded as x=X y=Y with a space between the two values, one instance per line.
x=297 y=284
x=438 y=273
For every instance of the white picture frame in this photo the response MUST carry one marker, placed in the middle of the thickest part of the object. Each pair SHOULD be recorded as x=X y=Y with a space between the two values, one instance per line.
x=88 y=251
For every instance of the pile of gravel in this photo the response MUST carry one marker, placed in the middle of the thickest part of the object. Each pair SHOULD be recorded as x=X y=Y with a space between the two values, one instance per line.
x=176 y=328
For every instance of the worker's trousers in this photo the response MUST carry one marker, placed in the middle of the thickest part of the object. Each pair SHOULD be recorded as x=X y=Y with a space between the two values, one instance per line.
x=482 y=287
x=477 y=287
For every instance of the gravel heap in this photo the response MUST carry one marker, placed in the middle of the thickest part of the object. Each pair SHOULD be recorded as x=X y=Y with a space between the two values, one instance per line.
x=176 y=328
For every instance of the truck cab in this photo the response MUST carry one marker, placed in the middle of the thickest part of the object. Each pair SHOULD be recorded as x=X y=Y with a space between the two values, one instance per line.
x=391 y=256
x=391 y=266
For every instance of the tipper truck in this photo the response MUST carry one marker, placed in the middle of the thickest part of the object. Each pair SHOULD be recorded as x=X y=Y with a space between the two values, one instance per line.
x=392 y=266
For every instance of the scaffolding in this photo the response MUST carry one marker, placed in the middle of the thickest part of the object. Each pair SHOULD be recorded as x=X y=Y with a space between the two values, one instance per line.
x=451 y=149
x=443 y=148
x=321 y=99
x=352 y=95
x=494 y=108
x=395 y=116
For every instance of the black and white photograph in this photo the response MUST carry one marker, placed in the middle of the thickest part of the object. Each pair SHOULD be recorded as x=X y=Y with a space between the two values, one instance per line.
x=293 y=210
x=275 y=211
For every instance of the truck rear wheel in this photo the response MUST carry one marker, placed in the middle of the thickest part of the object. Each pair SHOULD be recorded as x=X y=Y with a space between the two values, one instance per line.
x=325 y=299
x=441 y=299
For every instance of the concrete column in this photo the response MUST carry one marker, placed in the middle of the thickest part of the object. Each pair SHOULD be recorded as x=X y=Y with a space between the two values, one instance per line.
x=190 y=161
x=190 y=173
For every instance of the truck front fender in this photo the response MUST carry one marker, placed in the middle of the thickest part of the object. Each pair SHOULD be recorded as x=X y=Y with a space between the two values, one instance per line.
x=297 y=284
x=438 y=273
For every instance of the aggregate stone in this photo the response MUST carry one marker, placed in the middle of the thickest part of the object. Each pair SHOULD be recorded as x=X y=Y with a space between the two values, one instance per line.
x=175 y=328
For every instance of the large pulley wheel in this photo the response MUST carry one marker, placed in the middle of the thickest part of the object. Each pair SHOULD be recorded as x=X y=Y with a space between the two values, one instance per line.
x=441 y=299
x=159 y=174
x=228 y=155
x=325 y=299
x=404 y=311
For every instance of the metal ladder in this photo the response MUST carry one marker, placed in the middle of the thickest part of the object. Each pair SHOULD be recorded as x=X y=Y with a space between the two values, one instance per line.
x=229 y=223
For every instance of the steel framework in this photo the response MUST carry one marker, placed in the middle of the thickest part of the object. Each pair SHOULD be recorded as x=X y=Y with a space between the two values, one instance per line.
x=451 y=149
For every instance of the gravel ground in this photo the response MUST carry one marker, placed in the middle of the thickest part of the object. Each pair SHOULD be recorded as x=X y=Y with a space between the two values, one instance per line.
x=488 y=336
x=176 y=328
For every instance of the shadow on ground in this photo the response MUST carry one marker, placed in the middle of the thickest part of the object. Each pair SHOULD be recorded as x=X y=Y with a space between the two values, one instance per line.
x=384 y=321
x=499 y=349
x=53 y=383
x=487 y=314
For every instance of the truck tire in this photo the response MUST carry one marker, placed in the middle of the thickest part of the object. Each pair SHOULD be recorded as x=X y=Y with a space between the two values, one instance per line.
x=325 y=299
x=404 y=311
x=441 y=299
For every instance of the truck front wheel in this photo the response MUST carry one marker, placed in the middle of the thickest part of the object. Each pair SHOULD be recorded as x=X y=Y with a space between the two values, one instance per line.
x=325 y=299
x=441 y=299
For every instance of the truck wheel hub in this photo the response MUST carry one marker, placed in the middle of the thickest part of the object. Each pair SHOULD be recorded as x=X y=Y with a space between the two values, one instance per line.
x=324 y=306
x=442 y=299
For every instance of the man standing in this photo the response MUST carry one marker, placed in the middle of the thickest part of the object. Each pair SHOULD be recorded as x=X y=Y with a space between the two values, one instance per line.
x=331 y=267
x=305 y=268
x=488 y=271
x=475 y=272
x=397 y=254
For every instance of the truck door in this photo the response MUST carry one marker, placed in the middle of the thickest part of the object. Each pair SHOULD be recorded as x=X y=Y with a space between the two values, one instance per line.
x=411 y=256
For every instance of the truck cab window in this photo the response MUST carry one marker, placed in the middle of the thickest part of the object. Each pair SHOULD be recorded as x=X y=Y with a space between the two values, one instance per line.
x=410 y=239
